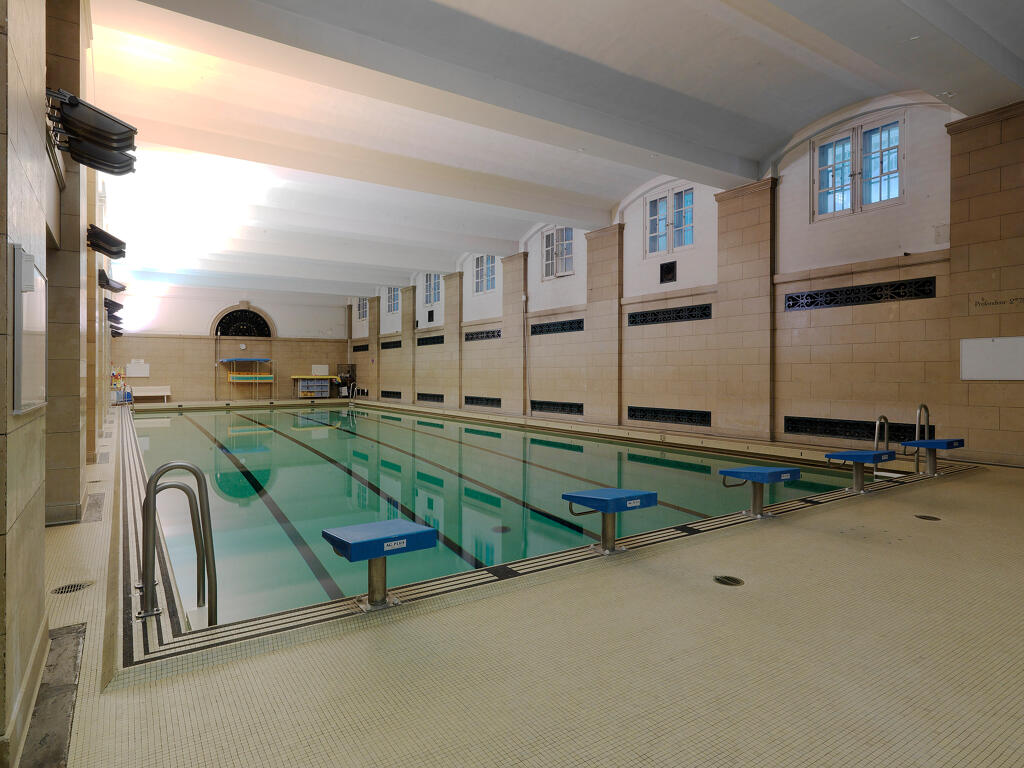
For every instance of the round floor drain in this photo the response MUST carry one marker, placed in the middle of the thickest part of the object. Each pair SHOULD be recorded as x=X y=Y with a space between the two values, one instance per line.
x=67 y=589
x=729 y=581
x=927 y=517
x=501 y=529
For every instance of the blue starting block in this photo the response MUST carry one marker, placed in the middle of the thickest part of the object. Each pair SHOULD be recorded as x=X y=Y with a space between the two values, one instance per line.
x=859 y=459
x=758 y=476
x=931 y=446
x=609 y=502
x=373 y=542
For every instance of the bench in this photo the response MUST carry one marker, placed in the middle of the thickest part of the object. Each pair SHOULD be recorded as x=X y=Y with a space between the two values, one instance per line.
x=138 y=392
x=930 y=447
x=758 y=477
x=609 y=502
x=859 y=459
x=374 y=542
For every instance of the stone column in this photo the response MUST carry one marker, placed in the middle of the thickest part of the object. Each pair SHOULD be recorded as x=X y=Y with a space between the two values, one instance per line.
x=513 y=323
x=407 y=380
x=372 y=375
x=453 y=338
x=986 y=281
x=68 y=276
x=602 y=399
x=741 y=404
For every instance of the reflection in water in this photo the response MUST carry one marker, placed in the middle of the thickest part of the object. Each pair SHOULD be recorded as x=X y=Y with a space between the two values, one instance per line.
x=250 y=445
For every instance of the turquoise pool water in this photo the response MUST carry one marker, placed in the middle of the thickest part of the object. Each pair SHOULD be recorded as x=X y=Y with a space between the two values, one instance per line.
x=278 y=477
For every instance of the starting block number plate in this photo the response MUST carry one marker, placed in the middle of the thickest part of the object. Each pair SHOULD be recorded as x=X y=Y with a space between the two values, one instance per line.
x=633 y=503
x=786 y=475
x=399 y=544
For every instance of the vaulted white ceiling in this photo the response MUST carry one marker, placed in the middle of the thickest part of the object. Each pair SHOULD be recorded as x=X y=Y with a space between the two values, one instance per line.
x=335 y=146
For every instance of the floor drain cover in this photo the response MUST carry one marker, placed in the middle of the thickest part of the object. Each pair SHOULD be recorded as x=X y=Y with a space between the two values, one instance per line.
x=67 y=589
x=927 y=517
x=729 y=581
x=501 y=529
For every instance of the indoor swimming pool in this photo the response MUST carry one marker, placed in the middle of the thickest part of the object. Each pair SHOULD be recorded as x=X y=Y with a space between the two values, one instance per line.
x=277 y=477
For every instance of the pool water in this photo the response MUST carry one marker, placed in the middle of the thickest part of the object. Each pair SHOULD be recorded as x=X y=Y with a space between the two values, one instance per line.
x=278 y=477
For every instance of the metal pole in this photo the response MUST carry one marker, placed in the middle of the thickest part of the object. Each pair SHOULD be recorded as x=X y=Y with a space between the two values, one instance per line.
x=858 y=477
x=376 y=581
x=931 y=465
x=608 y=531
x=756 y=499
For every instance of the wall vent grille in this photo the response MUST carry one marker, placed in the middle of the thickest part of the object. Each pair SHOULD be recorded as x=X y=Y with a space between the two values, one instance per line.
x=360 y=347
x=391 y=394
x=483 y=402
x=391 y=344
x=426 y=341
x=855 y=295
x=671 y=315
x=849 y=429
x=553 y=406
x=669 y=415
x=494 y=333
x=558 y=326
x=429 y=397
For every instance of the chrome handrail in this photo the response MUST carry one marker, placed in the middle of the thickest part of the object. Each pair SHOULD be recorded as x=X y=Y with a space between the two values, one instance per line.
x=149 y=607
x=197 y=535
x=878 y=423
x=917 y=433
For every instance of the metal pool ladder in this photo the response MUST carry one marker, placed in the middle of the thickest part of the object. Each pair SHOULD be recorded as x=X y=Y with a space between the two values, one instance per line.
x=202 y=533
x=917 y=433
x=878 y=425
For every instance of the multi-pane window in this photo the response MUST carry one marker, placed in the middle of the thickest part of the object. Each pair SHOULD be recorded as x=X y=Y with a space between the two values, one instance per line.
x=483 y=274
x=872 y=152
x=682 y=218
x=669 y=217
x=558 y=252
x=393 y=294
x=880 y=177
x=835 y=166
x=362 y=309
x=432 y=294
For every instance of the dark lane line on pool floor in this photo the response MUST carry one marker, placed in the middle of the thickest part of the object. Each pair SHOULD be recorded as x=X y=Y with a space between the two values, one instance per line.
x=598 y=483
x=508 y=497
x=469 y=557
x=330 y=586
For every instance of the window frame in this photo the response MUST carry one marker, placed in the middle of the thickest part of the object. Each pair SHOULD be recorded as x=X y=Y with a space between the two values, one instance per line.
x=855 y=131
x=362 y=308
x=395 y=293
x=431 y=293
x=558 y=258
x=485 y=268
x=669 y=194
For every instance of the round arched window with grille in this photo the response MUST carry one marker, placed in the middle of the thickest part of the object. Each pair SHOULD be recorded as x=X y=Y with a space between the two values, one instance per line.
x=243 y=322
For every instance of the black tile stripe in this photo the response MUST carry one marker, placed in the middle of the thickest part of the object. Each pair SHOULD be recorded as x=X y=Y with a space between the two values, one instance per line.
x=469 y=557
x=534 y=464
x=325 y=580
x=508 y=497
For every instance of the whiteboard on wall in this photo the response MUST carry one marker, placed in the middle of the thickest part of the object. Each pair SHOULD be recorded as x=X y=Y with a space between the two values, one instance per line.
x=136 y=370
x=992 y=359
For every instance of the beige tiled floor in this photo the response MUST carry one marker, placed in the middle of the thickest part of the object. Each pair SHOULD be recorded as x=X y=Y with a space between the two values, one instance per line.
x=863 y=637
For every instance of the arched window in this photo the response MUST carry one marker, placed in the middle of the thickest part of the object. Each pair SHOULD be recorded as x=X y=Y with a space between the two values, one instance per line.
x=243 y=322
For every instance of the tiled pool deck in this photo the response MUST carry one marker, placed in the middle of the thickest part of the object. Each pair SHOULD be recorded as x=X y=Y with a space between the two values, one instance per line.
x=863 y=636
